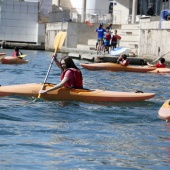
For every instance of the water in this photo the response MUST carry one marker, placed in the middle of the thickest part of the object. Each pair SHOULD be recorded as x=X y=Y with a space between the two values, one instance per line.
x=75 y=135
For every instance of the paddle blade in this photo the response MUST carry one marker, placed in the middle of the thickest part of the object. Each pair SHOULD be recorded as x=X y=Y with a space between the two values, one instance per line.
x=22 y=56
x=57 y=40
x=58 y=44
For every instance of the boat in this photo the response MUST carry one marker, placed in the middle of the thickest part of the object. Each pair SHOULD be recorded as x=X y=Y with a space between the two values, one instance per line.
x=119 y=51
x=164 y=111
x=2 y=54
x=67 y=94
x=13 y=60
x=161 y=70
x=115 y=67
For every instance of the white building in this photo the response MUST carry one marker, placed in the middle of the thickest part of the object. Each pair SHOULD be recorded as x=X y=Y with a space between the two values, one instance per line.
x=19 y=22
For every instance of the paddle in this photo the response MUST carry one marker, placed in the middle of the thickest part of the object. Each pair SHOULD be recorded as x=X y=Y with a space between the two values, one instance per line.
x=22 y=56
x=58 y=42
x=160 y=57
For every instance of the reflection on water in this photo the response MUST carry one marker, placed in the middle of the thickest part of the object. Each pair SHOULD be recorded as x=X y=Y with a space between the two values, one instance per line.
x=79 y=135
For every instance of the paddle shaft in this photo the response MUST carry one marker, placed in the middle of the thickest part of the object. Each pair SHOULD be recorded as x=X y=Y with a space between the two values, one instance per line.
x=47 y=75
x=160 y=57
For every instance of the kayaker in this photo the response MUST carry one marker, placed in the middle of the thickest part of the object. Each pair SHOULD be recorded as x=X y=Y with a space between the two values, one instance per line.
x=71 y=76
x=160 y=64
x=17 y=53
x=122 y=60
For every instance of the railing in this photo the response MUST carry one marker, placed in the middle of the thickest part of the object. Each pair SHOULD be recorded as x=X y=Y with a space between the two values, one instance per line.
x=92 y=15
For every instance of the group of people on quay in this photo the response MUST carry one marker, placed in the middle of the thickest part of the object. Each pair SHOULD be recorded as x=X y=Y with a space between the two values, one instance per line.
x=105 y=39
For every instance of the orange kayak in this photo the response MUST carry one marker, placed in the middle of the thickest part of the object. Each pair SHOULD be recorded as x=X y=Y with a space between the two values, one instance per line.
x=66 y=94
x=164 y=111
x=161 y=70
x=13 y=60
x=116 y=67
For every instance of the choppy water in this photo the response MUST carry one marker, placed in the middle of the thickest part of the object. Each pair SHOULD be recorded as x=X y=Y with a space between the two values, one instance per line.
x=61 y=135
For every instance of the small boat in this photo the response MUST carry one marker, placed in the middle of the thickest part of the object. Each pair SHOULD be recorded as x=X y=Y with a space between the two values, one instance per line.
x=67 y=94
x=119 y=51
x=164 y=111
x=161 y=70
x=13 y=60
x=2 y=54
x=116 y=67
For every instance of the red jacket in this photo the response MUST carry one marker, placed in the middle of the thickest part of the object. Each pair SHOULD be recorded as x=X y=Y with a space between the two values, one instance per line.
x=78 y=80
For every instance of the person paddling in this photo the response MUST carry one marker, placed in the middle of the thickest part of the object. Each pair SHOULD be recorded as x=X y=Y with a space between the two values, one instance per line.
x=71 y=76
x=122 y=60
x=160 y=64
x=17 y=53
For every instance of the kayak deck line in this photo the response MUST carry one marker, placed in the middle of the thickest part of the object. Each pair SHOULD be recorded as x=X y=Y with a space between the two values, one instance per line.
x=67 y=94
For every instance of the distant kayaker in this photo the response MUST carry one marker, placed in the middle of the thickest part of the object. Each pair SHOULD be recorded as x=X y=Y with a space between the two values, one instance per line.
x=71 y=76
x=16 y=52
x=160 y=64
x=122 y=60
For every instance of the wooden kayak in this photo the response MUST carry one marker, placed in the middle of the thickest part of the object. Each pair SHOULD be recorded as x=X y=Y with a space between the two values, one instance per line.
x=116 y=67
x=2 y=54
x=164 y=111
x=13 y=60
x=161 y=70
x=66 y=94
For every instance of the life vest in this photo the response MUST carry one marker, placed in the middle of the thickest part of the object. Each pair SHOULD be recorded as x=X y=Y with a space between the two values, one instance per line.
x=78 y=80
x=14 y=54
x=160 y=65
x=114 y=39
x=126 y=64
x=108 y=36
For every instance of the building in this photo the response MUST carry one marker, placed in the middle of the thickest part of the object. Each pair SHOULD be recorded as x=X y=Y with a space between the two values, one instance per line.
x=19 y=22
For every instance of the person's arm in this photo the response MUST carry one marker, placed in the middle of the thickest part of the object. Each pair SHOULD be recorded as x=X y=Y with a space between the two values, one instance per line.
x=56 y=60
x=61 y=84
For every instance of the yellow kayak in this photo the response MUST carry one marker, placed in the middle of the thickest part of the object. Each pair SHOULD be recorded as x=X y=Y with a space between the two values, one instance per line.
x=116 y=67
x=164 y=111
x=66 y=94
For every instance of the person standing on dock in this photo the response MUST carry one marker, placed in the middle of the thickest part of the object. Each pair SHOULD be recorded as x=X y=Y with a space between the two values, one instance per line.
x=100 y=30
x=115 y=40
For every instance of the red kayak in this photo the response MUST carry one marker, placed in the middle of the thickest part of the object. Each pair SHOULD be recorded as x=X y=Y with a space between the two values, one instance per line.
x=13 y=60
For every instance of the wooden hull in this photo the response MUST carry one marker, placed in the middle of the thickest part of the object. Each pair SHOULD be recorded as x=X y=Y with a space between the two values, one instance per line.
x=164 y=111
x=82 y=95
x=116 y=67
x=13 y=60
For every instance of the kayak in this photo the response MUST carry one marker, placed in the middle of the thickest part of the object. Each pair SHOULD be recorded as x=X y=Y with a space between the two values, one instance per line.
x=1 y=54
x=13 y=60
x=119 y=51
x=67 y=94
x=164 y=111
x=116 y=67
x=161 y=70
